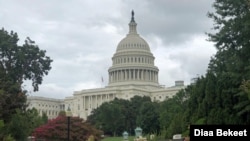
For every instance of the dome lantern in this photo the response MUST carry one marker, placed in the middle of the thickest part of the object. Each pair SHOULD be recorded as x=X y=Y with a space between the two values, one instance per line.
x=132 y=24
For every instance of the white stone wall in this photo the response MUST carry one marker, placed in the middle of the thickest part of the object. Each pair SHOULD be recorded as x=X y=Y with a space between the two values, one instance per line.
x=82 y=103
x=51 y=107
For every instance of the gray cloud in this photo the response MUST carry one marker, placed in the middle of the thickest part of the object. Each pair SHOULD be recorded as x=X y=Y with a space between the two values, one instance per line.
x=81 y=37
x=174 y=21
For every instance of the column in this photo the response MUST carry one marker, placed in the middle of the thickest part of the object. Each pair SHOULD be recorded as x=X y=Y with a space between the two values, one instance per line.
x=117 y=77
x=149 y=75
x=120 y=75
x=125 y=71
x=157 y=76
x=154 y=76
x=124 y=74
x=133 y=74
x=89 y=106
x=82 y=102
x=111 y=76
x=138 y=74
x=142 y=74
x=101 y=99
x=130 y=74
x=96 y=101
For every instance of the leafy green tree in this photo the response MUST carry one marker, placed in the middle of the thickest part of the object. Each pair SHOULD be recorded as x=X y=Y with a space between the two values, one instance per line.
x=118 y=115
x=133 y=111
x=111 y=118
x=44 y=117
x=231 y=63
x=177 y=125
x=1 y=127
x=22 y=123
x=114 y=118
x=17 y=64
x=127 y=115
x=244 y=105
x=171 y=114
x=6 y=137
x=217 y=97
x=148 y=118
x=245 y=86
x=19 y=126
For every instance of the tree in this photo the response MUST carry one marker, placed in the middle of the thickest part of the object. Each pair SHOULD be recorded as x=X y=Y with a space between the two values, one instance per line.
x=220 y=97
x=245 y=86
x=109 y=117
x=1 y=127
x=134 y=110
x=231 y=63
x=7 y=137
x=148 y=118
x=56 y=130
x=17 y=64
x=171 y=114
x=118 y=115
x=244 y=105
x=22 y=123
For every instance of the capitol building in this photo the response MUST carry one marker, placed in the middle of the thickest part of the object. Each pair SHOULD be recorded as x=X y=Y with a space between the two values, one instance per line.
x=133 y=73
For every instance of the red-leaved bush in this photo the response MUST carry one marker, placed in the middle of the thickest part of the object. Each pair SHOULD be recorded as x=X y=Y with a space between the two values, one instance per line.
x=57 y=130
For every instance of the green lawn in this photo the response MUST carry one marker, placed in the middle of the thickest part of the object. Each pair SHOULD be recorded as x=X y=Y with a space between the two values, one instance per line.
x=130 y=138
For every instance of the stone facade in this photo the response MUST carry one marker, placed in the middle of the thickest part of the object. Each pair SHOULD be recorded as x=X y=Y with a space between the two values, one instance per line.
x=132 y=73
x=83 y=102
x=51 y=107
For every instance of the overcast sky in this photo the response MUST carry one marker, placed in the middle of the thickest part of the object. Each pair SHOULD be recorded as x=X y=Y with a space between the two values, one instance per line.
x=81 y=36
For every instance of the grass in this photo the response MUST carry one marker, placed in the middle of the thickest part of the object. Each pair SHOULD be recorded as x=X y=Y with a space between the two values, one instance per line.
x=130 y=138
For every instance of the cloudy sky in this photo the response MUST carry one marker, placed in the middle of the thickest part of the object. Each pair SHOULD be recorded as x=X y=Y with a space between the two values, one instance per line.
x=81 y=36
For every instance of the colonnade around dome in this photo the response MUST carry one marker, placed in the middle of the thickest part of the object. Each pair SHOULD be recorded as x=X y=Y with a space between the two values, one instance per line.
x=144 y=75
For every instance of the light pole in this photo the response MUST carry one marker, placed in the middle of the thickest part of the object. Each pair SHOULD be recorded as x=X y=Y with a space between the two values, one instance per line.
x=68 y=114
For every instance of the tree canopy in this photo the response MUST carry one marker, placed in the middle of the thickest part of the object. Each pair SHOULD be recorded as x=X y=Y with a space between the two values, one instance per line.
x=231 y=64
x=119 y=115
x=19 y=63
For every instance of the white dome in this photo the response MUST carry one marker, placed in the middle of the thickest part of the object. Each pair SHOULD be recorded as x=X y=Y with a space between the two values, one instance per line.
x=133 y=62
x=133 y=42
